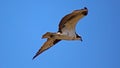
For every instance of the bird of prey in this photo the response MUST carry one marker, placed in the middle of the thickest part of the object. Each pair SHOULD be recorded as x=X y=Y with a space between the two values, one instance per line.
x=66 y=30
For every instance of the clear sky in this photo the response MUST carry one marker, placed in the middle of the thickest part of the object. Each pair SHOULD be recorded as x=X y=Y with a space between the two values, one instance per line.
x=23 y=22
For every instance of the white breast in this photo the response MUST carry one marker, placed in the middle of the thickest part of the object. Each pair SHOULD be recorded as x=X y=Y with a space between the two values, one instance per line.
x=69 y=31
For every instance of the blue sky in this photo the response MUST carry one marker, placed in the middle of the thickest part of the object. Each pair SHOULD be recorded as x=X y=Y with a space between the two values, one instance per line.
x=23 y=22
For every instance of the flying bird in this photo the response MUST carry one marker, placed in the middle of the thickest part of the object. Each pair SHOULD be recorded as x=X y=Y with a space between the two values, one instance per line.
x=66 y=30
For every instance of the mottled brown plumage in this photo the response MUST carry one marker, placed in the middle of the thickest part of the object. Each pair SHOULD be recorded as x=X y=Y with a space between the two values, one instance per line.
x=49 y=43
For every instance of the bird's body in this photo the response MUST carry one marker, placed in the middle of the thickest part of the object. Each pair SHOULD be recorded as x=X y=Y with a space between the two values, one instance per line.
x=66 y=30
x=60 y=36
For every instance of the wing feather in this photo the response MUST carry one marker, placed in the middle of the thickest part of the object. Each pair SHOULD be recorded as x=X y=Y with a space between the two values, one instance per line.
x=71 y=19
x=49 y=43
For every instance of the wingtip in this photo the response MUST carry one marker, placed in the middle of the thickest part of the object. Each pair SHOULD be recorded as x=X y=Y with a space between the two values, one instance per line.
x=85 y=11
x=33 y=58
x=85 y=7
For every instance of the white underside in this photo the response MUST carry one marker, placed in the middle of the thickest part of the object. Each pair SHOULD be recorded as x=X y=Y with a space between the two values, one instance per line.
x=65 y=36
x=69 y=30
x=60 y=36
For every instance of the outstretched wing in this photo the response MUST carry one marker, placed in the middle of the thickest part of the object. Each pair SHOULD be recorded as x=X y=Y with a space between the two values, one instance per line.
x=49 y=43
x=68 y=22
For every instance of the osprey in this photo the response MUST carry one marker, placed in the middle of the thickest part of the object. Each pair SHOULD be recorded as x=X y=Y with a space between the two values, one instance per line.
x=66 y=30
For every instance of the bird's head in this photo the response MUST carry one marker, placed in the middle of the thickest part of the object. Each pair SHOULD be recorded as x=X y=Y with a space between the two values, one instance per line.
x=79 y=37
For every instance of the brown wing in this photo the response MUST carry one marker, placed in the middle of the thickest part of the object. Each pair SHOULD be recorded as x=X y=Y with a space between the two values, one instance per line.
x=49 y=43
x=72 y=18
